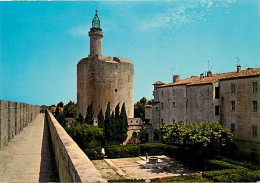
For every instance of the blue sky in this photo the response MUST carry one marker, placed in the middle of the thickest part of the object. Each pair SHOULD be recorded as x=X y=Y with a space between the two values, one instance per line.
x=41 y=42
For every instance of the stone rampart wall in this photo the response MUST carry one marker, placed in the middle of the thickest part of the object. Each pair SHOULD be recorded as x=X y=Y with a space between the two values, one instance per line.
x=14 y=116
x=72 y=163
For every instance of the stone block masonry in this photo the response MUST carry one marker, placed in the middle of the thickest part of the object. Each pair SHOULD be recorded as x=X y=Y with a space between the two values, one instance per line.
x=72 y=163
x=14 y=116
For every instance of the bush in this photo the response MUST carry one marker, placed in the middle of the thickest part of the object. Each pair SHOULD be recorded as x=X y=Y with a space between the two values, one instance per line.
x=182 y=178
x=121 y=151
x=210 y=174
x=220 y=165
x=244 y=176
x=153 y=149
x=248 y=165
x=94 y=153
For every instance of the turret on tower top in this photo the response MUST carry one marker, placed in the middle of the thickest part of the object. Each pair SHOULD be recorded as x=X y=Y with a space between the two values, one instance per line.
x=96 y=21
x=95 y=35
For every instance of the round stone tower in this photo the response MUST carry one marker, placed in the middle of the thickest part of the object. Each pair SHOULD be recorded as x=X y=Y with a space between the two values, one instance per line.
x=104 y=79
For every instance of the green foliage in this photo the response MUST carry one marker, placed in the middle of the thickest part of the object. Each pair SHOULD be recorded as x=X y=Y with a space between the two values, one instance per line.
x=142 y=136
x=70 y=110
x=90 y=114
x=139 y=111
x=60 y=104
x=220 y=165
x=108 y=124
x=245 y=164
x=80 y=118
x=94 y=153
x=182 y=178
x=101 y=119
x=83 y=134
x=153 y=149
x=199 y=133
x=122 y=151
x=61 y=119
x=123 y=124
x=231 y=171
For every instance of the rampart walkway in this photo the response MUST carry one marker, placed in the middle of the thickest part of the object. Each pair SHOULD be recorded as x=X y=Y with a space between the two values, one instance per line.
x=27 y=156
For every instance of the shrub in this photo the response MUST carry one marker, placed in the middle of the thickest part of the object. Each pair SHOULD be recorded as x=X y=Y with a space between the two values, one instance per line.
x=210 y=174
x=244 y=176
x=245 y=164
x=153 y=149
x=182 y=178
x=94 y=153
x=220 y=165
x=121 y=151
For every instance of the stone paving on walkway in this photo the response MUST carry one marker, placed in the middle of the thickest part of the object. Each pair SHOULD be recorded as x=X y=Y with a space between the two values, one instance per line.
x=27 y=157
x=139 y=168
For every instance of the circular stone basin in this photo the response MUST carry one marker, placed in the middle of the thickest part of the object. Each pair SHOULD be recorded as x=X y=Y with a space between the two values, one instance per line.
x=153 y=160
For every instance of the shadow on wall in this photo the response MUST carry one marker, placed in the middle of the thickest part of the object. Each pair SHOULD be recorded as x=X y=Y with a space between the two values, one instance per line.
x=48 y=169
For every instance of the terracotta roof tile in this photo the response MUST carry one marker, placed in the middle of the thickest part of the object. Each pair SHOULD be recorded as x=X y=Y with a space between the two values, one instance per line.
x=148 y=106
x=215 y=77
x=159 y=83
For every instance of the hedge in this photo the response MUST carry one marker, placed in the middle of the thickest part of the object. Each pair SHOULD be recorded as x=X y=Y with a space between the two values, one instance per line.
x=94 y=153
x=156 y=149
x=251 y=176
x=210 y=174
x=121 y=151
x=221 y=165
x=238 y=163
x=182 y=178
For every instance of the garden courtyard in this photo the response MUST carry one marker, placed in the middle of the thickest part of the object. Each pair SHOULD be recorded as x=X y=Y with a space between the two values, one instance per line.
x=139 y=168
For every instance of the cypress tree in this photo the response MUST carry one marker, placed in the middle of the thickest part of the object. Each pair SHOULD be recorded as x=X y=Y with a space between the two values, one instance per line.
x=107 y=123
x=90 y=114
x=117 y=112
x=124 y=124
x=80 y=118
x=101 y=119
x=57 y=111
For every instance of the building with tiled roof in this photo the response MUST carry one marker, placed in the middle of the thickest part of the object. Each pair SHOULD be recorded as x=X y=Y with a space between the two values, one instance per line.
x=231 y=98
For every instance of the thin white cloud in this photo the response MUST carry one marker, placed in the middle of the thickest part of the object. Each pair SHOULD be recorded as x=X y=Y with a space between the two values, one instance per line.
x=81 y=30
x=187 y=12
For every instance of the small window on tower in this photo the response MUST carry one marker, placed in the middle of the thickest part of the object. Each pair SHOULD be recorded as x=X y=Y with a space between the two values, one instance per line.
x=115 y=90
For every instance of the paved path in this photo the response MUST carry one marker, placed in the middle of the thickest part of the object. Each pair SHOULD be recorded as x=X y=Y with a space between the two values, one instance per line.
x=27 y=157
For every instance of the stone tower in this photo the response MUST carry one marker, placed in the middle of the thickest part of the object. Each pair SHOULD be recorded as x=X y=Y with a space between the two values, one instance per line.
x=104 y=79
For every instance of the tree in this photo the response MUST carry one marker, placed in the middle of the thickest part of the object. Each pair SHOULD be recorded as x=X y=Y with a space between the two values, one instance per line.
x=107 y=123
x=197 y=133
x=57 y=111
x=80 y=118
x=139 y=111
x=90 y=114
x=83 y=134
x=61 y=119
x=70 y=110
x=123 y=124
x=142 y=136
x=101 y=119
x=60 y=104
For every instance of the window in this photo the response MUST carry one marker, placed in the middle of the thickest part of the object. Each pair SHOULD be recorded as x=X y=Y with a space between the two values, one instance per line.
x=254 y=87
x=217 y=92
x=115 y=90
x=233 y=128
x=173 y=106
x=156 y=109
x=255 y=106
x=162 y=105
x=217 y=110
x=233 y=105
x=162 y=93
x=233 y=88
x=162 y=122
x=254 y=130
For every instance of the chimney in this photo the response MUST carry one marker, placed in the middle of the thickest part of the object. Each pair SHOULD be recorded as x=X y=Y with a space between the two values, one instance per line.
x=201 y=75
x=209 y=74
x=175 y=78
x=238 y=68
